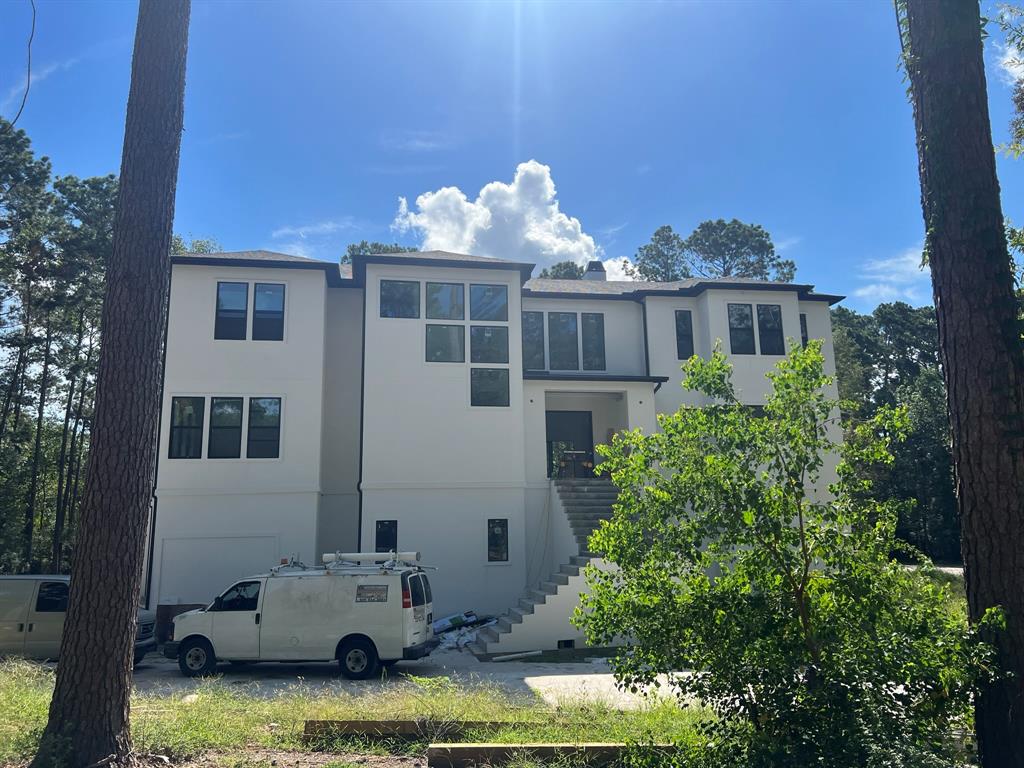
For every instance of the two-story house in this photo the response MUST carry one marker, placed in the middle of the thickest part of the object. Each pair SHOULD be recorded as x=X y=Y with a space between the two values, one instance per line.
x=428 y=401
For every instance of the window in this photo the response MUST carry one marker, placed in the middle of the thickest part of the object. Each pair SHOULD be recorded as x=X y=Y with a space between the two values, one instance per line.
x=803 y=329
x=244 y=596
x=684 y=334
x=488 y=302
x=488 y=344
x=225 y=440
x=264 y=428
x=419 y=596
x=52 y=597
x=186 y=439
x=741 y=329
x=386 y=538
x=593 y=341
x=563 y=341
x=399 y=298
x=232 y=306
x=268 y=312
x=446 y=343
x=488 y=386
x=446 y=301
x=533 y=341
x=497 y=540
x=769 y=329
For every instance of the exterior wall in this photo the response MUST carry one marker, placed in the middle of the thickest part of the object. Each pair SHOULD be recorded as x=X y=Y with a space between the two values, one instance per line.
x=222 y=518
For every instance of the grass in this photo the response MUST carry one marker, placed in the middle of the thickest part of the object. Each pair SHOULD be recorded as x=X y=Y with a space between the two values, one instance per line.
x=214 y=716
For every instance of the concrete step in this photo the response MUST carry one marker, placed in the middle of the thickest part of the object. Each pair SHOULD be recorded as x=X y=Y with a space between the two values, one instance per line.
x=550 y=587
x=504 y=624
x=587 y=517
x=516 y=616
x=526 y=605
x=563 y=482
x=478 y=648
x=487 y=635
x=581 y=559
x=559 y=578
x=569 y=570
x=537 y=596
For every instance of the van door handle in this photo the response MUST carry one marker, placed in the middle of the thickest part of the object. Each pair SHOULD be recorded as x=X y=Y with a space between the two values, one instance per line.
x=30 y=627
x=21 y=627
x=257 y=618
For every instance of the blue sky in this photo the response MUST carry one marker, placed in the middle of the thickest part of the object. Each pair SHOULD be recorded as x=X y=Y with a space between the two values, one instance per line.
x=305 y=123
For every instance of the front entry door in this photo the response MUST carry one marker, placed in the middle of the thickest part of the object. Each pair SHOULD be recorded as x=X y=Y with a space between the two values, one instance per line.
x=570 y=437
x=236 y=622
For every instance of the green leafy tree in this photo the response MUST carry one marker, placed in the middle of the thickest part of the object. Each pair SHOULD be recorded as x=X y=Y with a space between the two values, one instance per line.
x=661 y=260
x=194 y=245
x=563 y=270
x=723 y=248
x=1011 y=21
x=771 y=602
x=365 y=248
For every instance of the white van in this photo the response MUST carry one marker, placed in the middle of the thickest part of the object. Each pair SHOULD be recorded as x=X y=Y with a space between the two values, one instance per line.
x=32 y=610
x=357 y=610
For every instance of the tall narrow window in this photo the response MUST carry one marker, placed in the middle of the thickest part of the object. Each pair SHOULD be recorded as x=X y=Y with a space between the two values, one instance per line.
x=488 y=387
x=399 y=298
x=488 y=344
x=445 y=301
x=225 y=440
x=186 y=437
x=593 y=341
x=741 y=329
x=446 y=343
x=268 y=312
x=684 y=334
x=488 y=302
x=803 y=329
x=533 y=341
x=563 y=341
x=232 y=309
x=497 y=540
x=386 y=536
x=769 y=329
x=264 y=441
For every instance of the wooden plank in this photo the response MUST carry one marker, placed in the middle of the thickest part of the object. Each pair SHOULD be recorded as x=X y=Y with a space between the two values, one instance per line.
x=485 y=754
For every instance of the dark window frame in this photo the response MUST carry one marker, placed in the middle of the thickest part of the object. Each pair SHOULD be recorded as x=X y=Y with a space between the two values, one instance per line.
x=268 y=325
x=771 y=340
x=473 y=346
x=392 y=535
x=552 y=328
x=249 y=441
x=426 y=342
x=804 y=336
x=380 y=300
x=222 y=323
x=497 y=527
x=684 y=342
x=461 y=301
x=195 y=430
x=528 y=353
x=582 y=325
x=473 y=400
x=738 y=335
x=473 y=310
x=218 y=429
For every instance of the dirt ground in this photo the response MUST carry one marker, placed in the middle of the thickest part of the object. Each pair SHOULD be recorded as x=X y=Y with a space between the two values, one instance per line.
x=270 y=758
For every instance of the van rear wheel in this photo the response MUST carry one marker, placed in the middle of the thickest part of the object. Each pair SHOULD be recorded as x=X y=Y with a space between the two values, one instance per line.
x=196 y=659
x=358 y=659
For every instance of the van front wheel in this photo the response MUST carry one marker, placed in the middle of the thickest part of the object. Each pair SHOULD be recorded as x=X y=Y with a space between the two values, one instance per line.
x=196 y=659
x=358 y=659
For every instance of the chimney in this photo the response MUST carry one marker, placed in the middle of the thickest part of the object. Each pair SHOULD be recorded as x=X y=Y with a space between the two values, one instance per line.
x=594 y=271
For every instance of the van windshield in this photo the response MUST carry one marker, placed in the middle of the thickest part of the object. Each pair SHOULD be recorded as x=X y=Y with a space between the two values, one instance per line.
x=416 y=587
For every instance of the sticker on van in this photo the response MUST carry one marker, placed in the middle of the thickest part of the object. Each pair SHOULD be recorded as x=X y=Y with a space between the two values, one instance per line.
x=372 y=593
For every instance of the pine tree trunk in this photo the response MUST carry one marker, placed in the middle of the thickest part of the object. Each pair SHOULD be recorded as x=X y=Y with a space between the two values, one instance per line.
x=62 y=459
x=982 y=354
x=33 y=488
x=88 y=719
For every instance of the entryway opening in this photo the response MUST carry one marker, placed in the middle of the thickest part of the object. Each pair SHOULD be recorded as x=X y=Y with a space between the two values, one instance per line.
x=576 y=422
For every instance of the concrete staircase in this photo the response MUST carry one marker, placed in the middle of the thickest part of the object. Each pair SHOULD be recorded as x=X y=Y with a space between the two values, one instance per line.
x=541 y=618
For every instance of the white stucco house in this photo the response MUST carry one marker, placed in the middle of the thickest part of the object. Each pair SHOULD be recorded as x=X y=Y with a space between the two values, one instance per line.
x=426 y=401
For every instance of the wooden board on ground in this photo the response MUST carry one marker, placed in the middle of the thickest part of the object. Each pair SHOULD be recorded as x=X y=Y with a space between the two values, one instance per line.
x=483 y=754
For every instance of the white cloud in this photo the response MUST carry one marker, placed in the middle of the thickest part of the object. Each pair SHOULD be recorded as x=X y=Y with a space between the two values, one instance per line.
x=418 y=141
x=615 y=269
x=1011 y=63
x=14 y=95
x=520 y=221
x=314 y=230
x=786 y=243
x=898 y=278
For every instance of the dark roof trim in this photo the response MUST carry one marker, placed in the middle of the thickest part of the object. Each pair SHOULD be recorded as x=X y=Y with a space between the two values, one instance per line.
x=359 y=265
x=329 y=269
x=804 y=292
x=548 y=376
x=528 y=294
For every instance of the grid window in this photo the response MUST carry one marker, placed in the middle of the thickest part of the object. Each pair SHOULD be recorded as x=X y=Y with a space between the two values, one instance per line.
x=264 y=440
x=741 y=329
x=563 y=341
x=446 y=343
x=268 y=312
x=386 y=536
x=399 y=298
x=225 y=441
x=488 y=344
x=593 y=341
x=446 y=301
x=684 y=334
x=186 y=438
x=533 y=341
x=803 y=329
x=497 y=540
x=769 y=329
x=232 y=309
x=488 y=387
x=488 y=302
